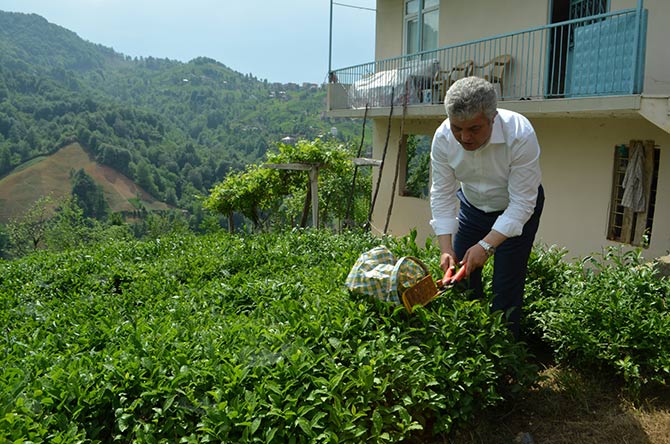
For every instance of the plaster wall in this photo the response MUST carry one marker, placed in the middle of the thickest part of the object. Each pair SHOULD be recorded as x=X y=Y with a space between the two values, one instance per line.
x=462 y=21
x=657 y=59
x=577 y=165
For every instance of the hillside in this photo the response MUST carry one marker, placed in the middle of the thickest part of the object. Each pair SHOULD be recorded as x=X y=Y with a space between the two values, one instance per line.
x=51 y=175
x=186 y=124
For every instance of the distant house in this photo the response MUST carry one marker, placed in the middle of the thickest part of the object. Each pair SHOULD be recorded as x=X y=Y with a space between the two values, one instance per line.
x=593 y=76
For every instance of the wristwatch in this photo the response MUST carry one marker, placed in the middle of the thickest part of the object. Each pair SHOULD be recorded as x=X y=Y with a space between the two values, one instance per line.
x=488 y=248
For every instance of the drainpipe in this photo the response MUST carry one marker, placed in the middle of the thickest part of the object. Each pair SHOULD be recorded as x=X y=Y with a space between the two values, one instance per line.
x=637 y=81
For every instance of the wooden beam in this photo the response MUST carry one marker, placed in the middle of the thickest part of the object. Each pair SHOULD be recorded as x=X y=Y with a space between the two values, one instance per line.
x=313 y=170
x=641 y=219
x=291 y=166
x=364 y=161
x=314 y=186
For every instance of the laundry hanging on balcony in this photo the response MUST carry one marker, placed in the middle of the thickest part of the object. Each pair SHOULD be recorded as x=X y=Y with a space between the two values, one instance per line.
x=633 y=181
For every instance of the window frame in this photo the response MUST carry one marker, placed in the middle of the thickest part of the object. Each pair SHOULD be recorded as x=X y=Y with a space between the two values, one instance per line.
x=418 y=17
x=405 y=163
x=624 y=225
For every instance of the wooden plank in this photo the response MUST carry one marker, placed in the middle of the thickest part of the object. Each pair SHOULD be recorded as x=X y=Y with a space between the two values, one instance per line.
x=313 y=170
x=612 y=227
x=314 y=184
x=627 y=228
x=641 y=222
x=364 y=161
x=291 y=166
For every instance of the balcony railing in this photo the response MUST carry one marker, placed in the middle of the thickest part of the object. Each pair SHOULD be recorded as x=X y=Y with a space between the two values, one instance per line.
x=595 y=56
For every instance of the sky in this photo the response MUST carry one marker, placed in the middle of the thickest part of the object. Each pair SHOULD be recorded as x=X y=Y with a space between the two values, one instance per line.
x=281 y=41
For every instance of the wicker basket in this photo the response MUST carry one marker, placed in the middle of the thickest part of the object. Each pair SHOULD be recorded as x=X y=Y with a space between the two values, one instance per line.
x=421 y=292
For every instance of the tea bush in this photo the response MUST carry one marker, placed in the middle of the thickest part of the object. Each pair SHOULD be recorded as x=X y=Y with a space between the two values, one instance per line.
x=227 y=338
x=608 y=312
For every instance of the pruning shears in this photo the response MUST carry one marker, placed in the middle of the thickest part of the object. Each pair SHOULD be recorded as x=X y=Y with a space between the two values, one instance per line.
x=450 y=278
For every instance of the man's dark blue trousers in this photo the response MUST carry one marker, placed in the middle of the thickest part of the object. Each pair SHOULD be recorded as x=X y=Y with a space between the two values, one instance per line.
x=510 y=261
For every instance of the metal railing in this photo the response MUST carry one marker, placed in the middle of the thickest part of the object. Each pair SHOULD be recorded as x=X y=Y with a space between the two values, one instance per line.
x=595 y=56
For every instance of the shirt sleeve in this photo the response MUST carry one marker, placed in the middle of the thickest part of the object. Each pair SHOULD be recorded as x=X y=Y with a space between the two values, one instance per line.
x=524 y=180
x=443 y=200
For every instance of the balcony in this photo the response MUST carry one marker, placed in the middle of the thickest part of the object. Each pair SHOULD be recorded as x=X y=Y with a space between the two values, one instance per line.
x=584 y=64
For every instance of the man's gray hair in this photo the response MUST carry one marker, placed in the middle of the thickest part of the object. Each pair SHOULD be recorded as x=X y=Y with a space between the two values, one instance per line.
x=470 y=96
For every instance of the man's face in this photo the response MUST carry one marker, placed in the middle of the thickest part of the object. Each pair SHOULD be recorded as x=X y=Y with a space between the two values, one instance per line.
x=472 y=133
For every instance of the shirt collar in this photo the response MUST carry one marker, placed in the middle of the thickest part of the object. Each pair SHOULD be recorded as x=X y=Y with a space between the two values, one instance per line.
x=497 y=135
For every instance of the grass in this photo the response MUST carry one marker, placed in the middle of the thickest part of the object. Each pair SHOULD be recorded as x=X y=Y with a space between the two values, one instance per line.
x=51 y=174
x=570 y=406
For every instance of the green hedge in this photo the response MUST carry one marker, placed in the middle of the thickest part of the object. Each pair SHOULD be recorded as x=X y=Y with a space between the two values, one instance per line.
x=604 y=313
x=237 y=339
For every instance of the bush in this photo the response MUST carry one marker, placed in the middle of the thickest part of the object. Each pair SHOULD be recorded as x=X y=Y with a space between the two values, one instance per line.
x=236 y=339
x=611 y=316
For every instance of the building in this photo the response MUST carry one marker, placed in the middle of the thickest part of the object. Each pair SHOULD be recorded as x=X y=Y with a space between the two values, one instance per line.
x=593 y=76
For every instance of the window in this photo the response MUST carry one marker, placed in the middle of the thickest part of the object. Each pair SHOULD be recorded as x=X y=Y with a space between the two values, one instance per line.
x=587 y=8
x=625 y=224
x=421 y=25
x=414 y=172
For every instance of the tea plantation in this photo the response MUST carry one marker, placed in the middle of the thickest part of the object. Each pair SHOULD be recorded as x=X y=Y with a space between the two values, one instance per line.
x=235 y=339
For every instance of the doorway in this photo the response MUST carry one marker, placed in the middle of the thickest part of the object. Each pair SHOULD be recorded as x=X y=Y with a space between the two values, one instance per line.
x=561 y=43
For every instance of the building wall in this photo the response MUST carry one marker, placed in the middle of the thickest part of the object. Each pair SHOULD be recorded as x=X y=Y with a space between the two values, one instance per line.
x=389 y=29
x=577 y=164
x=657 y=60
x=462 y=21
x=578 y=153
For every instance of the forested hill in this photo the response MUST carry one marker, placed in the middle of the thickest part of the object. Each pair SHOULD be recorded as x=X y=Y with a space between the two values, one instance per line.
x=183 y=126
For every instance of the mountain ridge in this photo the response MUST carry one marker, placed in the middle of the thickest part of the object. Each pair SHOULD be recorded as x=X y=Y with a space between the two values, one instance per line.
x=183 y=126
x=50 y=175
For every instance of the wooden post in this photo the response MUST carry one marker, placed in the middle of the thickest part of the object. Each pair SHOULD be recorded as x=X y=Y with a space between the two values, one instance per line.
x=313 y=170
x=641 y=218
x=314 y=187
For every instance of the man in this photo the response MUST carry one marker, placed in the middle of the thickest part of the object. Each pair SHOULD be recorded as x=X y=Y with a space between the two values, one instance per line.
x=488 y=160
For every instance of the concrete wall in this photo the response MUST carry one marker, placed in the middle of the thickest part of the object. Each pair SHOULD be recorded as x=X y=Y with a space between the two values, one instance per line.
x=657 y=60
x=577 y=153
x=577 y=164
x=389 y=29
x=462 y=21
x=408 y=212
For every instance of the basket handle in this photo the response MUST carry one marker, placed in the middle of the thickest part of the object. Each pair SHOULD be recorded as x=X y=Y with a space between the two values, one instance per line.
x=396 y=268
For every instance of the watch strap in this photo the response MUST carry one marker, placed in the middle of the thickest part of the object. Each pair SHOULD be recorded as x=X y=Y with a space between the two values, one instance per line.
x=488 y=248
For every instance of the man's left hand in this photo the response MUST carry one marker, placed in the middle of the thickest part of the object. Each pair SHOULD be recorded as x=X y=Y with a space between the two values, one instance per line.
x=474 y=258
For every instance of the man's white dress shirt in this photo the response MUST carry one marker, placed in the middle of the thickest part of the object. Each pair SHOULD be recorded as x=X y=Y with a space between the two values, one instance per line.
x=501 y=175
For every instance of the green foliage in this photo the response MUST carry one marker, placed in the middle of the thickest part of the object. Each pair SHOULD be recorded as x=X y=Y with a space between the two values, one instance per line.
x=418 y=166
x=281 y=193
x=27 y=231
x=247 y=192
x=606 y=313
x=226 y=338
x=172 y=125
x=89 y=196
x=4 y=241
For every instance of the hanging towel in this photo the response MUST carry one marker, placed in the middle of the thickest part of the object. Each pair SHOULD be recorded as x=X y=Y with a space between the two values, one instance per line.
x=633 y=181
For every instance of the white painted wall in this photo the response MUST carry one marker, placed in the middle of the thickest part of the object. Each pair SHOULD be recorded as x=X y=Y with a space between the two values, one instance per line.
x=577 y=165
x=577 y=153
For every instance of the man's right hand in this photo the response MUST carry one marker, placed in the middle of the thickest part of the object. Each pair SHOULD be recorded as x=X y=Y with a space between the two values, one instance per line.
x=448 y=260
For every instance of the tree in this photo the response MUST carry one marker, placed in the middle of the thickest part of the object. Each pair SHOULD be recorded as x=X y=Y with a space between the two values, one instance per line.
x=5 y=160
x=144 y=178
x=27 y=231
x=89 y=196
x=282 y=195
x=4 y=241
x=68 y=228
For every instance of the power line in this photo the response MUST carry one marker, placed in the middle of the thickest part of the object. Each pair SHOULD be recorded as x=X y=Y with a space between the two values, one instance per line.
x=354 y=6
